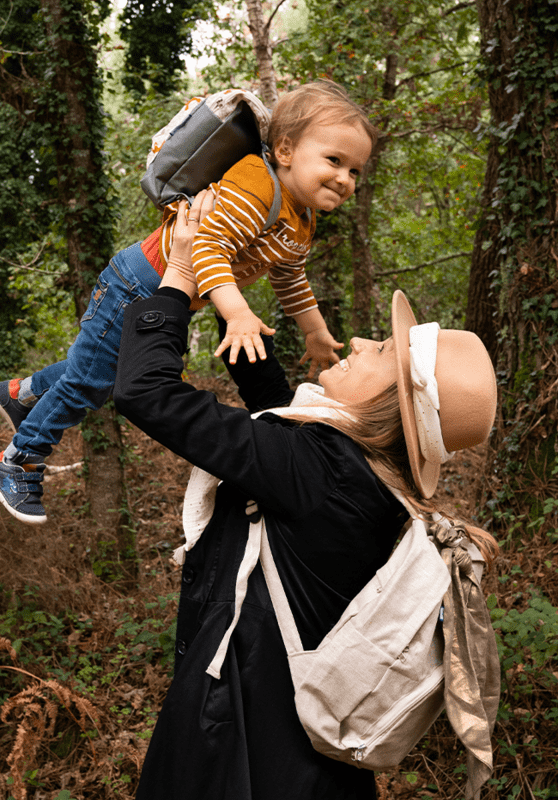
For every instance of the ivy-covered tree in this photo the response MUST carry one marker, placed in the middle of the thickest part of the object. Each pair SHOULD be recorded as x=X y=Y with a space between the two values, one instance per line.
x=156 y=35
x=51 y=79
x=51 y=94
x=515 y=264
x=26 y=172
x=25 y=217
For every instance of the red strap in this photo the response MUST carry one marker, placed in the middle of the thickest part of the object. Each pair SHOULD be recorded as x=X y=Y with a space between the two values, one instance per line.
x=13 y=388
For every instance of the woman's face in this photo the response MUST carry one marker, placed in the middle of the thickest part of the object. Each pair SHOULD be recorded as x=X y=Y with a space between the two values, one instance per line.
x=367 y=371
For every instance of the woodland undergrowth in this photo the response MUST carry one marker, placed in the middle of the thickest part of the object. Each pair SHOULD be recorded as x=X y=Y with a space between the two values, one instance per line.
x=84 y=667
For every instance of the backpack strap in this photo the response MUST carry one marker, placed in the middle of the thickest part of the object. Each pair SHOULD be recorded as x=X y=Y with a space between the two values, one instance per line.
x=285 y=618
x=249 y=561
x=257 y=547
x=276 y=205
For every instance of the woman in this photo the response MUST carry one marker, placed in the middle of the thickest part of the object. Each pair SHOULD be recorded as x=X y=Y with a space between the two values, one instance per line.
x=331 y=522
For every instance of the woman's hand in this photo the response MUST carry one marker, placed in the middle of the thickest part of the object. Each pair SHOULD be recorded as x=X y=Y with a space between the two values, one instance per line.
x=179 y=273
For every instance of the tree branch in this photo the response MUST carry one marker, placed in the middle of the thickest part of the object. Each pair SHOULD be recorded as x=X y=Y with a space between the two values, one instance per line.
x=401 y=134
x=442 y=126
x=273 y=13
x=466 y=146
x=338 y=240
x=278 y=42
x=421 y=266
x=7 y=20
x=433 y=72
x=34 y=260
x=31 y=269
x=458 y=7
x=19 y=52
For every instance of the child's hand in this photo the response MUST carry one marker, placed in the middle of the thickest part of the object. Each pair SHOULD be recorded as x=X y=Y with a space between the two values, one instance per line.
x=320 y=350
x=243 y=330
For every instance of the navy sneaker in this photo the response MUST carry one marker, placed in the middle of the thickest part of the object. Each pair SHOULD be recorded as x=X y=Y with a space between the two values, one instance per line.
x=21 y=488
x=12 y=410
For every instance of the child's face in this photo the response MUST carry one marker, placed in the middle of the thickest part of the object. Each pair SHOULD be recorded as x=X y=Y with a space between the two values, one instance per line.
x=321 y=170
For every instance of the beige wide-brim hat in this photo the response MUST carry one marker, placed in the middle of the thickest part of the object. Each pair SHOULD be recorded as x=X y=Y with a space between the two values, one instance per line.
x=466 y=389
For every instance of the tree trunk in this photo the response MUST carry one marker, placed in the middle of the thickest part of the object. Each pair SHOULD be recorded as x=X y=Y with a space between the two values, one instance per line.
x=519 y=59
x=363 y=266
x=75 y=117
x=262 y=48
x=325 y=273
x=113 y=539
x=482 y=297
x=78 y=154
x=330 y=298
x=366 y=322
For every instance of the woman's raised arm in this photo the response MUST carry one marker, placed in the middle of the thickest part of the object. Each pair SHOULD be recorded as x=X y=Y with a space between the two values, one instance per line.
x=179 y=273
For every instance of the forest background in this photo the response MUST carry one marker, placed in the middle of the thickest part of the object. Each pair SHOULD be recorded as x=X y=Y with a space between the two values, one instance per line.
x=457 y=207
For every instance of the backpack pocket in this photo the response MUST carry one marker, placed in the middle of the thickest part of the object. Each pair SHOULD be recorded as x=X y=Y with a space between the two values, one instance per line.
x=369 y=707
x=338 y=677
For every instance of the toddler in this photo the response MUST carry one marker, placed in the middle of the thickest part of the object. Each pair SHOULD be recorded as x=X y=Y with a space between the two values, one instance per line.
x=319 y=141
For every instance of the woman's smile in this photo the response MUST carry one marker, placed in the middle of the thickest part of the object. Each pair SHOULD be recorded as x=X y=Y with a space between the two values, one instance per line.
x=368 y=370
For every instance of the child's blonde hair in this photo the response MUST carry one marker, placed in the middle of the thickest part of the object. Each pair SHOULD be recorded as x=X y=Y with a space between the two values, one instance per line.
x=322 y=100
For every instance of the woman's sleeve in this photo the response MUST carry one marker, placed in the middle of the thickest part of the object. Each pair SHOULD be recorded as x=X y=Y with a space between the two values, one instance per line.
x=281 y=465
x=263 y=384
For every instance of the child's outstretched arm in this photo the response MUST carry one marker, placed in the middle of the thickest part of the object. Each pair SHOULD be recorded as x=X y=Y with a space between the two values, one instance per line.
x=243 y=326
x=320 y=344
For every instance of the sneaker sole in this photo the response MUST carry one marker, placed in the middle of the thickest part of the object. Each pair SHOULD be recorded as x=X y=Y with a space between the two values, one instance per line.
x=28 y=518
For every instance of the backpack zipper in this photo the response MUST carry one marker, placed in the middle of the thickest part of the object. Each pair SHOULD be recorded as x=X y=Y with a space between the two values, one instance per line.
x=357 y=753
x=433 y=680
x=403 y=655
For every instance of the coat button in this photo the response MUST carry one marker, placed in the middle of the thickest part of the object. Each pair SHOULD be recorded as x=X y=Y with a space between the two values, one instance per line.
x=149 y=320
x=188 y=575
x=151 y=316
x=181 y=647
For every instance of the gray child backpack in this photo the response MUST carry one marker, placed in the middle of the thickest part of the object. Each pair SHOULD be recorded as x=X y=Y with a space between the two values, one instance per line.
x=205 y=139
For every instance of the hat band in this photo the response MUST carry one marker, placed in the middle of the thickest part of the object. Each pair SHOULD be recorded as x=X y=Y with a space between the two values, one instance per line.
x=423 y=346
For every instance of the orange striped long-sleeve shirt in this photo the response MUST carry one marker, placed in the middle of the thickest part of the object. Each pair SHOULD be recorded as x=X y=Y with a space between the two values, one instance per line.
x=231 y=246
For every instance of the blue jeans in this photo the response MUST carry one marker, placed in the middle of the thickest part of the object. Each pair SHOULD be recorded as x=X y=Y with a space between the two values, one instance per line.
x=86 y=378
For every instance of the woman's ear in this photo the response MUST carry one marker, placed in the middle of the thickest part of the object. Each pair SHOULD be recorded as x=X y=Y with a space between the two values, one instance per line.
x=283 y=152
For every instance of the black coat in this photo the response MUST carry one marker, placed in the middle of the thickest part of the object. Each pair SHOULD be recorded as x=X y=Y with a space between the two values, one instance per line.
x=331 y=525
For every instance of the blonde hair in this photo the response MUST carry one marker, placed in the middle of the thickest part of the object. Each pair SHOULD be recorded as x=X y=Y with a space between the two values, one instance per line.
x=375 y=425
x=310 y=103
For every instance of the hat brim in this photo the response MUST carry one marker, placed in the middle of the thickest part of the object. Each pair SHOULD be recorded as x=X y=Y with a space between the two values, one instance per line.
x=425 y=473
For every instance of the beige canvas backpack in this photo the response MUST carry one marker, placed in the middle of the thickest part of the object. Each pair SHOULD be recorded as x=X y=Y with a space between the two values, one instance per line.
x=375 y=684
x=416 y=639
